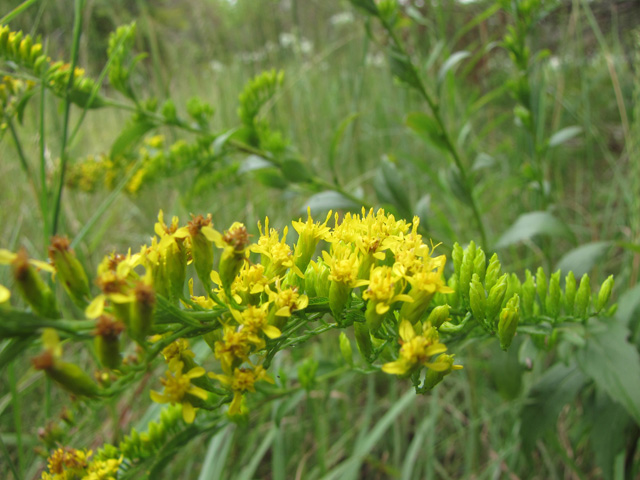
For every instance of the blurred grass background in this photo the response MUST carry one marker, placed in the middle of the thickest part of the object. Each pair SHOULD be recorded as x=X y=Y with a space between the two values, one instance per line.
x=359 y=426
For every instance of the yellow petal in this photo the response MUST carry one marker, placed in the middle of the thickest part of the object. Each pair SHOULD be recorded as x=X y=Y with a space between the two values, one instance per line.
x=198 y=392
x=195 y=372
x=157 y=397
x=382 y=308
x=271 y=331
x=182 y=232
x=436 y=348
x=96 y=307
x=398 y=367
x=6 y=256
x=40 y=265
x=5 y=294
x=406 y=330
x=379 y=255
x=210 y=234
x=284 y=312
x=438 y=366
x=188 y=412
x=215 y=277
x=121 y=297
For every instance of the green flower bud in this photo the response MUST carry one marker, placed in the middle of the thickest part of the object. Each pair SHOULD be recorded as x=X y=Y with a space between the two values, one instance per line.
x=453 y=299
x=345 y=349
x=493 y=272
x=68 y=375
x=34 y=291
x=234 y=254
x=541 y=287
x=552 y=304
x=528 y=295
x=373 y=318
x=107 y=341
x=466 y=270
x=202 y=250
x=69 y=270
x=477 y=298
x=583 y=297
x=322 y=279
x=569 y=293
x=480 y=264
x=25 y=48
x=508 y=322
x=434 y=377
x=513 y=287
x=173 y=271
x=363 y=340
x=339 y=295
x=142 y=309
x=604 y=294
x=457 y=254
x=438 y=316
x=495 y=299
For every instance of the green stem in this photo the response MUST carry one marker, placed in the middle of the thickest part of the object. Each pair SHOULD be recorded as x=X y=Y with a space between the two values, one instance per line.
x=435 y=110
x=77 y=31
x=17 y=411
x=23 y=158
x=16 y=11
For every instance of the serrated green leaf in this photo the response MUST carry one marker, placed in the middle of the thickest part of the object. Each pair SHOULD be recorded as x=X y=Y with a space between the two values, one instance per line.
x=613 y=363
x=582 y=259
x=427 y=128
x=451 y=63
x=529 y=225
x=557 y=387
x=564 y=135
x=130 y=136
x=329 y=200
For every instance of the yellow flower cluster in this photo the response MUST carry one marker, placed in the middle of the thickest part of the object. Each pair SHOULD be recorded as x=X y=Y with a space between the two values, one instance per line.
x=71 y=464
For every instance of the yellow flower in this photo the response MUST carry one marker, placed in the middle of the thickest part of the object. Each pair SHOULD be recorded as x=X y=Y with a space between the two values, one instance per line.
x=309 y=234
x=178 y=389
x=175 y=352
x=250 y=283
x=382 y=289
x=5 y=294
x=67 y=462
x=233 y=349
x=242 y=380
x=255 y=320
x=344 y=264
x=285 y=302
x=275 y=254
x=103 y=469
x=416 y=350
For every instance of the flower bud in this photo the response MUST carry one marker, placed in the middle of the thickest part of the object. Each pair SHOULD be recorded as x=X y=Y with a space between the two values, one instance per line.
x=541 y=287
x=68 y=375
x=495 y=299
x=233 y=255
x=552 y=304
x=569 y=293
x=480 y=264
x=466 y=271
x=201 y=249
x=373 y=318
x=477 y=298
x=457 y=255
x=69 y=270
x=435 y=376
x=438 y=316
x=508 y=322
x=583 y=297
x=339 y=294
x=604 y=294
x=318 y=279
x=142 y=309
x=528 y=295
x=345 y=349
x=34 y=291
x=363 y=340
x=107 y=341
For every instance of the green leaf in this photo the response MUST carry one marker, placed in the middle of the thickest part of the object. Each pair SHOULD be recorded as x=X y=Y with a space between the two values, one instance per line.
x=582 y=259
x=221 y=140
x=254 y=162
x=329 y=200
x=609 y=422
x=427 y=128
x=557 y=387
x=392 y=189
x=529 y=225
x=295 y=171
x=564 y=135
x=217 y=454
x=629 y=308
x=130 y=136
x=271 y=177
x=401 y=66
x=451 y=63
x=368 y=6
x=613 y=363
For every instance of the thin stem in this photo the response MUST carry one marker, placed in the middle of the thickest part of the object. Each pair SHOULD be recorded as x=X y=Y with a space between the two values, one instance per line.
x=77 y=31
x=435 y=110
x=23 y=159
x=17 y=412
x=16 y=11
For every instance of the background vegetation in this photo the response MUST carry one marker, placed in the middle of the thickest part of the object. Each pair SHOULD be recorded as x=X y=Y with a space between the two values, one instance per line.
x=540 y=108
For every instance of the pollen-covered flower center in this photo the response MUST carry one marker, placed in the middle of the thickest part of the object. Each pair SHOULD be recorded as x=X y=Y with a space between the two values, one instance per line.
x=175 y=387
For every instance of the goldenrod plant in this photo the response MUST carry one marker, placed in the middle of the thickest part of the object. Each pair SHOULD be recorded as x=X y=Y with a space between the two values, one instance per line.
x=442 y=303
